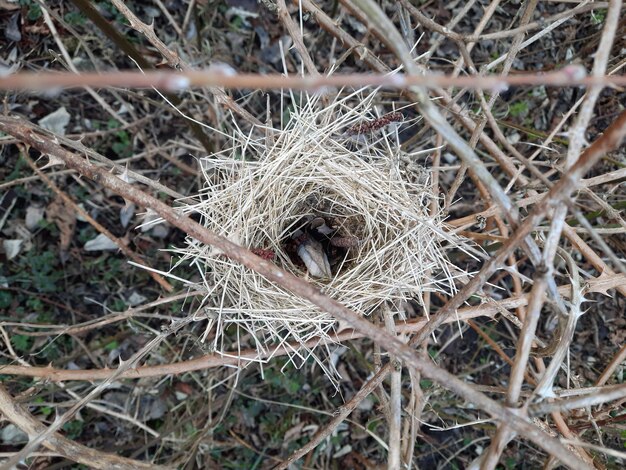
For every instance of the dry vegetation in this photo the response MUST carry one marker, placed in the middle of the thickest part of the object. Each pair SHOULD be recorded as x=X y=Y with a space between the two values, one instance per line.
x=163 y=302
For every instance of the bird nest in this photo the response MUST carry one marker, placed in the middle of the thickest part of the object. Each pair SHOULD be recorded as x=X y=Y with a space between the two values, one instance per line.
x=331 y=184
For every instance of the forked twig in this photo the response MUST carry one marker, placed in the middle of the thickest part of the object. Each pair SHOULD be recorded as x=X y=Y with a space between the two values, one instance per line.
x=285 y=17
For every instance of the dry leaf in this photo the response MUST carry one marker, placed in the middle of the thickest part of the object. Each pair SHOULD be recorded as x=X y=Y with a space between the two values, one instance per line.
x=65 y=219
x=12 y=247
x=314 y=257
x=56 y=121
x=33 y=215
x=100 y=243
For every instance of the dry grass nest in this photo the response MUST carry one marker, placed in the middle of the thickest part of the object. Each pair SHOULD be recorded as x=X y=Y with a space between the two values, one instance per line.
x=259 y=192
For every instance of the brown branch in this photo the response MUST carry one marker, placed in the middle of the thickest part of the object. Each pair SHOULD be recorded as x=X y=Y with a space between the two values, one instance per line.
x=568 y=434
x=595 y=260
x=527 y=337
x=177 y=81
x=238 y=357
x=549 y=252
x=208 y=361
x=292 y=28
x=619 y=358
x=63 y=446
x=464 y=151
x=499 y=351
x=328 y=24
x=61 y=419
x=172 y=58
x=430 y=24
x=610 y=140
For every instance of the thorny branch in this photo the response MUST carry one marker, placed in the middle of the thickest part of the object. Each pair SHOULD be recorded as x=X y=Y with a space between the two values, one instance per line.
x=63 y=446
x=488 y=310
x=299 y=287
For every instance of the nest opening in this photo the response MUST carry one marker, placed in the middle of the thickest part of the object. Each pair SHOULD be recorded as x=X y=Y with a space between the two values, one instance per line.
x=329 y=221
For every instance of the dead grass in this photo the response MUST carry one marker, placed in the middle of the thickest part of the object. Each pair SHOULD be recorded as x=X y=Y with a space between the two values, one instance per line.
x=257 y=193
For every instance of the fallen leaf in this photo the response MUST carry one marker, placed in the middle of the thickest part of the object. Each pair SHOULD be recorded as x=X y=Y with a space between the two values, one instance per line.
x=65 y=220
x=12 y=29
x=126 y=213
x=12 y=247
x=135 y=299
x=12 y=435
x=100 y=243
x=57 y=121
x=34 y=215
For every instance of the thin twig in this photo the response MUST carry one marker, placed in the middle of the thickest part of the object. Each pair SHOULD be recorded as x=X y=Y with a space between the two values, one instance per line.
x=89 y=10
x=395 y=400
x=488 y=309
x=619 y=358
x=431 y=114
x=48 y=433
x=292 y=28
x=598 y=397
x=565 y=331
x=341 y=414
x=63 y=446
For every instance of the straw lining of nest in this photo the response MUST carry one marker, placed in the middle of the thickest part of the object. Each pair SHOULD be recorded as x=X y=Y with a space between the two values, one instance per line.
x=257 y=193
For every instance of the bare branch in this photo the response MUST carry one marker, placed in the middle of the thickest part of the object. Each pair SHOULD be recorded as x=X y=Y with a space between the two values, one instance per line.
x=178 y=81
x=63 y=446
x=489 y=309
x=285 y=17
